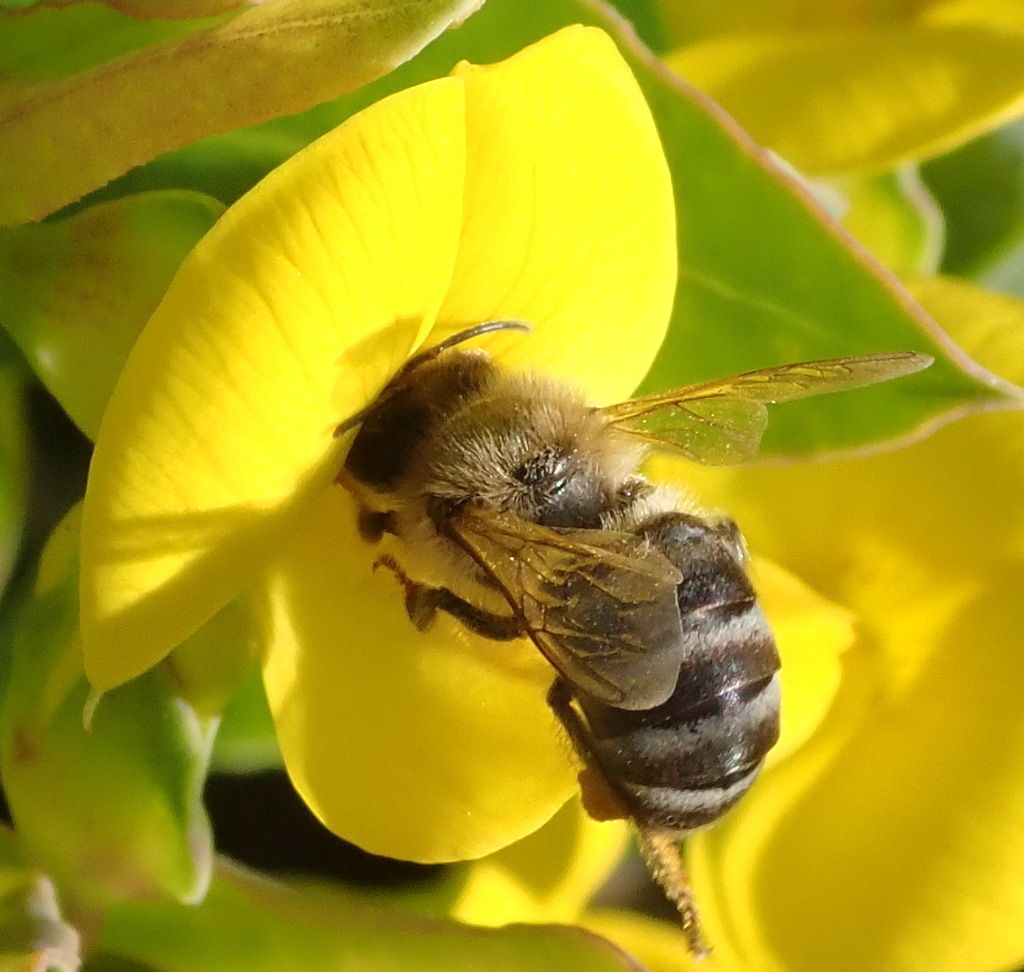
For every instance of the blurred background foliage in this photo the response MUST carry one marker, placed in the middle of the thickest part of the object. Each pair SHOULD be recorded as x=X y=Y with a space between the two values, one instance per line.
x=895 y=152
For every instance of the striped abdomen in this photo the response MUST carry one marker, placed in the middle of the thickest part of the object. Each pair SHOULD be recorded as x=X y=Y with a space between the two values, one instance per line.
x=684 y=763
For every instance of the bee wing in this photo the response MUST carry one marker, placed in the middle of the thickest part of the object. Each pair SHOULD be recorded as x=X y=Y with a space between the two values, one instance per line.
x=721 y=422
x=599 y=604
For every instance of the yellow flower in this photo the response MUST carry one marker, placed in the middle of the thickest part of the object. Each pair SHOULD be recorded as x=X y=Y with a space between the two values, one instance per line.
x=848 y=87
x=534 y=189
x=894 y=839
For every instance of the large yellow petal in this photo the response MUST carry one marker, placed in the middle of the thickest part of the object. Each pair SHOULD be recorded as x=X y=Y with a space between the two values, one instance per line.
x=569 y=219
x=548 y=876
x=439 y=745
x=834 y=101
x=431 y=746
x=812 y=634
x=688 y=21
x=906 y=851
x=892 y=839
x=288 y=316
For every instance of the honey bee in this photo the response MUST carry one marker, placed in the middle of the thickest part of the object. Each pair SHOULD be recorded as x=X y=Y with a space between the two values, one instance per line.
x=520 y=512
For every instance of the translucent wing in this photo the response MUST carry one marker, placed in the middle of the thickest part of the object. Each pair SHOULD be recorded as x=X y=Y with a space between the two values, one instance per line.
x=600 y=605
x=722 y=421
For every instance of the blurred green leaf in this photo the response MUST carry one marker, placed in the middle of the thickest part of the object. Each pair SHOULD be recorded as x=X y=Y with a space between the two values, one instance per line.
x=33 y=935
x=14 y=469
x=980 y=189
x=1008 y=272
x=171 y=9
x=213 y=664
x=52 y=41
x=246 y=740
x=897 y=219
x=61 y=138
x=648 y=20
x=251 y=924
x=112 y=811
x=74 y=294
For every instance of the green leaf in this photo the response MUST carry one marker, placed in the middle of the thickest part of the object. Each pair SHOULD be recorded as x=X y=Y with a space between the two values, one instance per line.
x=897 y=219
x=74 y=294
x=172 y=9
x=112 y=811
x=213 y=664
x=61 y=138
x=251 y=924
x=246 y=740
x=13 y=467
x=980 y=189
x=648 y=20
x=51 y=42
x=33 y=935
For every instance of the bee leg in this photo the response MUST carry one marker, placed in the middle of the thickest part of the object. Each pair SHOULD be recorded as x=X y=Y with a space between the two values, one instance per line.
x=496 y=627
x=602 y=801
x=422 y=604
x=664 y=856
x=599 y=797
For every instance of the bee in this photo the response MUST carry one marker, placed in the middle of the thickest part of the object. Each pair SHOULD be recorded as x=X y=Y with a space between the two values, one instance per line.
x=521 y=512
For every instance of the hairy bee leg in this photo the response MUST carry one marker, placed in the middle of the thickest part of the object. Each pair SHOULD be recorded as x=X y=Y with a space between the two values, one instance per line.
x=422 y=604
x=660 y=849
x=600 y=799
x=664 y=857
x=496 y=627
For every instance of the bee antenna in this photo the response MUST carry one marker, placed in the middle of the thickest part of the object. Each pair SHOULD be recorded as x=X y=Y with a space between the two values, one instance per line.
x=665 y=860
x=507 y=324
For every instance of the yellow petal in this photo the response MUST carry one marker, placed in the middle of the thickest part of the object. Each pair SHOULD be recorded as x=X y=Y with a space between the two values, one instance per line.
x=833 y=101
x=431 y=746
x=546 y=877
x=658 y=945
x=904 y=851
x=891 y=840
x=569 y=219
x=688 y=21
x=287 y=317
x=990 y=324
x=474 y=759
x=811 y=633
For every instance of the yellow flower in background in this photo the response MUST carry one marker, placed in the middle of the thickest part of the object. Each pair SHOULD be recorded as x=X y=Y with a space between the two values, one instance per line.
x=535 y=189
x=848 y=87
x=894 y=839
